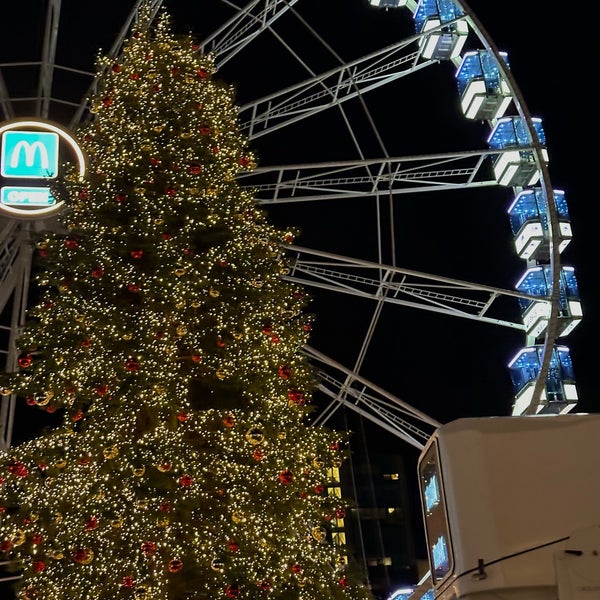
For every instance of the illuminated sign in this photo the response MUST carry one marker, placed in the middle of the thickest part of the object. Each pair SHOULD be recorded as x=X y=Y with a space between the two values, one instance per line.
x=432 y=493
x=30 y=153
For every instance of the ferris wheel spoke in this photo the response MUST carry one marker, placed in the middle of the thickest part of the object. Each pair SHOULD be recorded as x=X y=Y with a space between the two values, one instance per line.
x=397 y=286
x=369 y=177
x=368 y=399
x=244 y=26
x=330 y=89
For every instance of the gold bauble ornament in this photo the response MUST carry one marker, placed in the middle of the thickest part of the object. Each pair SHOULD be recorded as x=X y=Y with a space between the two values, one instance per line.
x=60 y=464
x=80 y=318
x=196 y=304
x=162 y=521
x=117 y=522
x=49 y=482
x=5 y=392
x=19 y=538
x=217 y=565
x=221 y=374
x=319 y=533
x=238 y=517
x=181 y=330
x=110 y=452
x=255 y=436
x=180 y=272
x=57 y=518
x=138 y=471
x=213 y=293
x=317 y=463
x=127 y=336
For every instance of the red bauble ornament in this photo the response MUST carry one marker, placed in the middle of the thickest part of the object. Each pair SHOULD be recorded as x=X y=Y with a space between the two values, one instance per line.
x=148 y=548
x=165 y=507
x=244 y=161
x=101 y=389
x=229 y=421
x=264 y=586
x=86 y=343
x=50 y=408
x=83 y=194
x=221 y=342
x=197 y=358
x=128 y=582
x=222 y=263
x=155 y=161
x=166 y=236
x=284 y=371
x=185 y=480
x=121 y=198
x=296 y=568
x=97 y=272
x=134 y=76
x=232 y=545
x=106 y=101
x=39 y=566
x=30 y=400
x=25 y=361
x=182 y=417
x=81 y=555
x=91 y=524
x=340 y=513
x=205 y=130
x=233 y=590
x=37 y=539
x=296 y=397
x=202 y=73
x=175 y=71
x=137 y=253
x=43 y=252
x=116 y=68
x=195 y=169
x=175 y=566
x=215 y=150
x=133 y=288
x=258 y=454
x=343 y=581
x=18 y=469
x=286 y=477
x=42 y=466
x=319 y=489
x=6 y=545
x=171 y=191
x=77 y=415
x=131 y=364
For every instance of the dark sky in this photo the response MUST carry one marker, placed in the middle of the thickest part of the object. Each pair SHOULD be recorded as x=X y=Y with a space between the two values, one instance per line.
x=447 y=368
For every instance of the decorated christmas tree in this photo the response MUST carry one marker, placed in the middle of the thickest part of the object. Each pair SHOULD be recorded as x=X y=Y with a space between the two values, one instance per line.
x=184 y=466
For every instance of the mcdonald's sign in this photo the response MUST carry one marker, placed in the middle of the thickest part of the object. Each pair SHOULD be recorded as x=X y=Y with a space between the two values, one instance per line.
x=31 y=150
x=30 y=154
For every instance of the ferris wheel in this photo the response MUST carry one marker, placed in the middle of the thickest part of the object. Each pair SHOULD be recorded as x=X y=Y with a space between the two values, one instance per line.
x=393 y=135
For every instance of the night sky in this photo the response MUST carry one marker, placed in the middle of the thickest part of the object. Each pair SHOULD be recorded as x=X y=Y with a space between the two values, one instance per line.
x=447 y=368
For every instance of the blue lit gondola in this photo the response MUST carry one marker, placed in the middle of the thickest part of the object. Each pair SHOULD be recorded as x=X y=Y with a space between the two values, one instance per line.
x=537 y=281
x=484 y=93
x=560 y=392
x=516 y=167
x=448 y=31
x=529 y=223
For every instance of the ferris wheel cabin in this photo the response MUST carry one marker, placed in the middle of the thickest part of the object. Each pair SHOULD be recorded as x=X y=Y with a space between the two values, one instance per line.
x=529 y=222
x=559 y=395
x=516 y=164
x=484 y=93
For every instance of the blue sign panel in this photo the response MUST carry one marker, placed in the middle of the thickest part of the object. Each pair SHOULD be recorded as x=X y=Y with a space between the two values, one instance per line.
x=26 y=196
x=29 y=154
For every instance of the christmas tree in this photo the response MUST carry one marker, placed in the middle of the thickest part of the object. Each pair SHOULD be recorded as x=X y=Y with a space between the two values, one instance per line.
x=184 y=466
